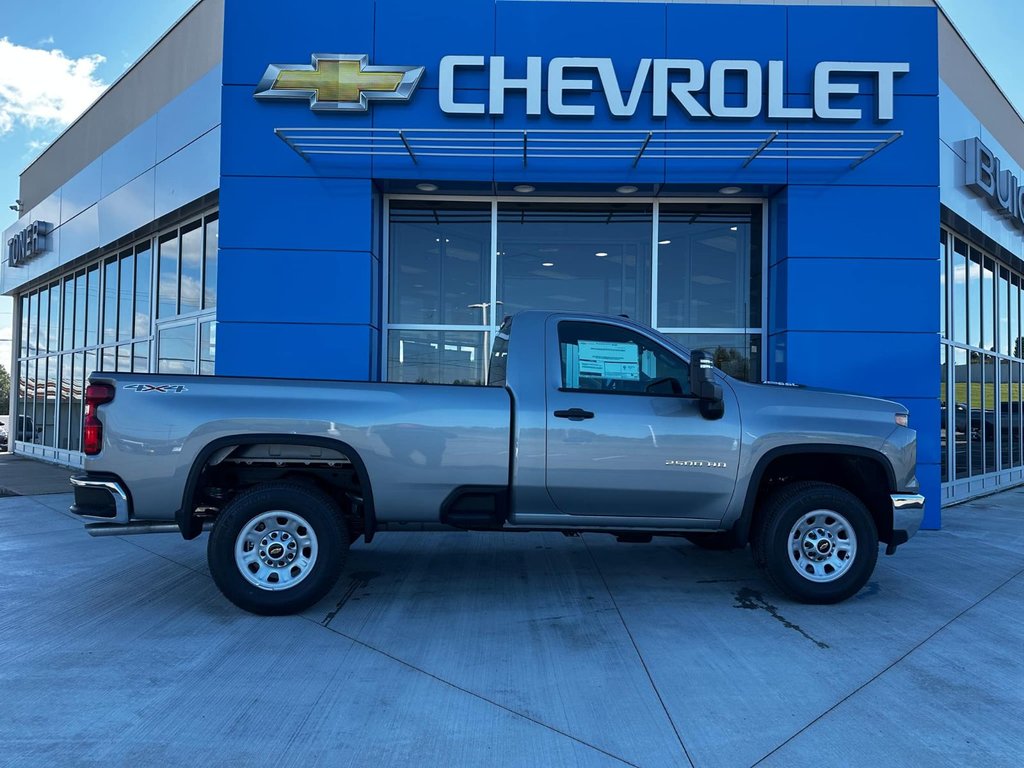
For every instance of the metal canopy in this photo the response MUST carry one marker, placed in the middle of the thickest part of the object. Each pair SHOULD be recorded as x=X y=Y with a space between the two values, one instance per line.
x=631 y=146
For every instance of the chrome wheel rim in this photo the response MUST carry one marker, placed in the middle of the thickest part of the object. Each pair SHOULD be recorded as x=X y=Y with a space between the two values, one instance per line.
x=276 y=550
x=822 y=545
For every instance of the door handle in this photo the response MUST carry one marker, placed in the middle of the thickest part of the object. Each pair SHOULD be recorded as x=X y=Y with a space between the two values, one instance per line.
x=574 y=414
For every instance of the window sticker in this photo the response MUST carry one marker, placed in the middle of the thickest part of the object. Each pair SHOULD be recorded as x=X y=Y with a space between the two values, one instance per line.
x=609 y=360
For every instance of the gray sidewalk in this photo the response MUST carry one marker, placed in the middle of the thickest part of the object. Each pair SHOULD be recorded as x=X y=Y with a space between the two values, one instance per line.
x=501 y=650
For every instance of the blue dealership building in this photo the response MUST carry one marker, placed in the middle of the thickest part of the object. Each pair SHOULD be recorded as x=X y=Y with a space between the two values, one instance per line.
x=828 y=194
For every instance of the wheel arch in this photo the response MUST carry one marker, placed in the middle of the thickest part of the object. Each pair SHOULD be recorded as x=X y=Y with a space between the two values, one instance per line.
x=829 y=463
x=191 y=526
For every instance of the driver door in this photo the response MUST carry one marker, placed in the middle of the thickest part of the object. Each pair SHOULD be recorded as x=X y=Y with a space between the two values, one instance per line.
x=625 y=437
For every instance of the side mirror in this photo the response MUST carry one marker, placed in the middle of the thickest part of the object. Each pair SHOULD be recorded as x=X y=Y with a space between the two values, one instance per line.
x=707 y=390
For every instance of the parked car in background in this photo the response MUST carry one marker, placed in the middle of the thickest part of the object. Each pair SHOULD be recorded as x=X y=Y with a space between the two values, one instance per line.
x=27 y=430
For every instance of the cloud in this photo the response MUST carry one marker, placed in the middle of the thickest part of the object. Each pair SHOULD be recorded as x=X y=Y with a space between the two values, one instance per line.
x=48 y=40
x=44 y=89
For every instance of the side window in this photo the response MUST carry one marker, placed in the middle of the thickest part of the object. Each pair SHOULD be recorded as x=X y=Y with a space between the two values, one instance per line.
x=606 y=358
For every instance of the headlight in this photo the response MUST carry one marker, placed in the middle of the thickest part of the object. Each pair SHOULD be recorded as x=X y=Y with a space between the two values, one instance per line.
x=902 y=419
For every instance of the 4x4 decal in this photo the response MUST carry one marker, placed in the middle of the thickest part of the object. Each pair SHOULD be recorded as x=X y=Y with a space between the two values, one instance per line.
x=156 y=387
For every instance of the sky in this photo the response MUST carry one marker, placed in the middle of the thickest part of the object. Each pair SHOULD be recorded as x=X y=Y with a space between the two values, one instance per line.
x=57 y=57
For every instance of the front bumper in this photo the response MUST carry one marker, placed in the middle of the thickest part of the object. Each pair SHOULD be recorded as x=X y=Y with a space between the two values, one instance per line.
x=907 y=514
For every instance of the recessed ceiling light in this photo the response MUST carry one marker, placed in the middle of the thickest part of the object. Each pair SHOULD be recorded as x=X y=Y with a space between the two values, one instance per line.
x=524 y=188
x=602 y=254
x=547 y=264
x=426 y=187
x=731 y=190
x=664 y=242
x=733 y=229
x=626 y=189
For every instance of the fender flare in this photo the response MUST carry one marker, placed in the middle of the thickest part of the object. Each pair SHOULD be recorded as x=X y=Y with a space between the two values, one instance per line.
x=741 y=528
x=191 y=527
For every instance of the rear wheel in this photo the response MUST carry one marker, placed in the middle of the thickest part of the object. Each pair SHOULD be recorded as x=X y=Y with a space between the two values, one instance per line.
x=817 y=542
x=278 y=548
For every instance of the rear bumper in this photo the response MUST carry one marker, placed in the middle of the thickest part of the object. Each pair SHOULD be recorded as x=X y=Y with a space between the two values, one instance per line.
x=101 y=499
x=907 y=514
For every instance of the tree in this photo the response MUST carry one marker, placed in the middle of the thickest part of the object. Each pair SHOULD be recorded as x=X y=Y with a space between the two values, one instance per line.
x=5 y=389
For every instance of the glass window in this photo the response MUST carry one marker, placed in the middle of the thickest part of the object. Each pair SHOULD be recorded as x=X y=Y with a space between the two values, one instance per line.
x=54 y=343
x=942 y=282
x=64 y=403
x=988 y=341
x=207 y=347
x=709 y=266
x=1018 y=413
x=962 y=428
x=108 y=360
x=33 y=323
x=737 y=354
x=124 y=358
x=52 y=389
x=211 y=256
x=80 y=321
x=39 y=401
x=437 y=357
x=77 y=376
x=974 y=298
x=67 y=339
x=440 y=263
x=92 y=313
x=143 y=288
x=606 y=358
x=92 y=363
x=576 y=257
x=167 y=288
x=110 y=301
x=1004 y=415
x=989 y=423
x=496 y=373
x=944 y=431
x=24 y=326
x=191 y=268
x=140 y=357
x=1014 y=310
x=1003 y=311
x=44 y=317
x=24 y=399
x=126 y=297
x=177 y=349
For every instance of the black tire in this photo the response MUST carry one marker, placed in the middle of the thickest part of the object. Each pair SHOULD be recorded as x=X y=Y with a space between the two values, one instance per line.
x=310 y=523
x=849 y=528
x=716 y=541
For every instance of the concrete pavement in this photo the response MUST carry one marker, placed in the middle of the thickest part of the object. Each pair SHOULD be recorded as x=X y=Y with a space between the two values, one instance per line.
x=22 y=476
x=510 y=650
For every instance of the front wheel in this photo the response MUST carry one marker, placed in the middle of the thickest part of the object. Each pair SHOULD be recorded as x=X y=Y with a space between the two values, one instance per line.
x=817 y=542
x=277 y=548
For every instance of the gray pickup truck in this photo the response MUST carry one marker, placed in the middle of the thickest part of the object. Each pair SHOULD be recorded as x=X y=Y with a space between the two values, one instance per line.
x=586 y=424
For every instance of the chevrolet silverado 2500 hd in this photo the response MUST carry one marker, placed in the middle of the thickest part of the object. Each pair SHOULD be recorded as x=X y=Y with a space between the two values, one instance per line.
x=586 y=424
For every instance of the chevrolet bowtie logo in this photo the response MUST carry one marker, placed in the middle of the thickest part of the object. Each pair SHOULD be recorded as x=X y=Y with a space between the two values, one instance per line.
x=338 y=81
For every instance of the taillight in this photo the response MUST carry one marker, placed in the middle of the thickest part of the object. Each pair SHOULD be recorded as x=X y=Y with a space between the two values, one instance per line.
x=92 y=428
